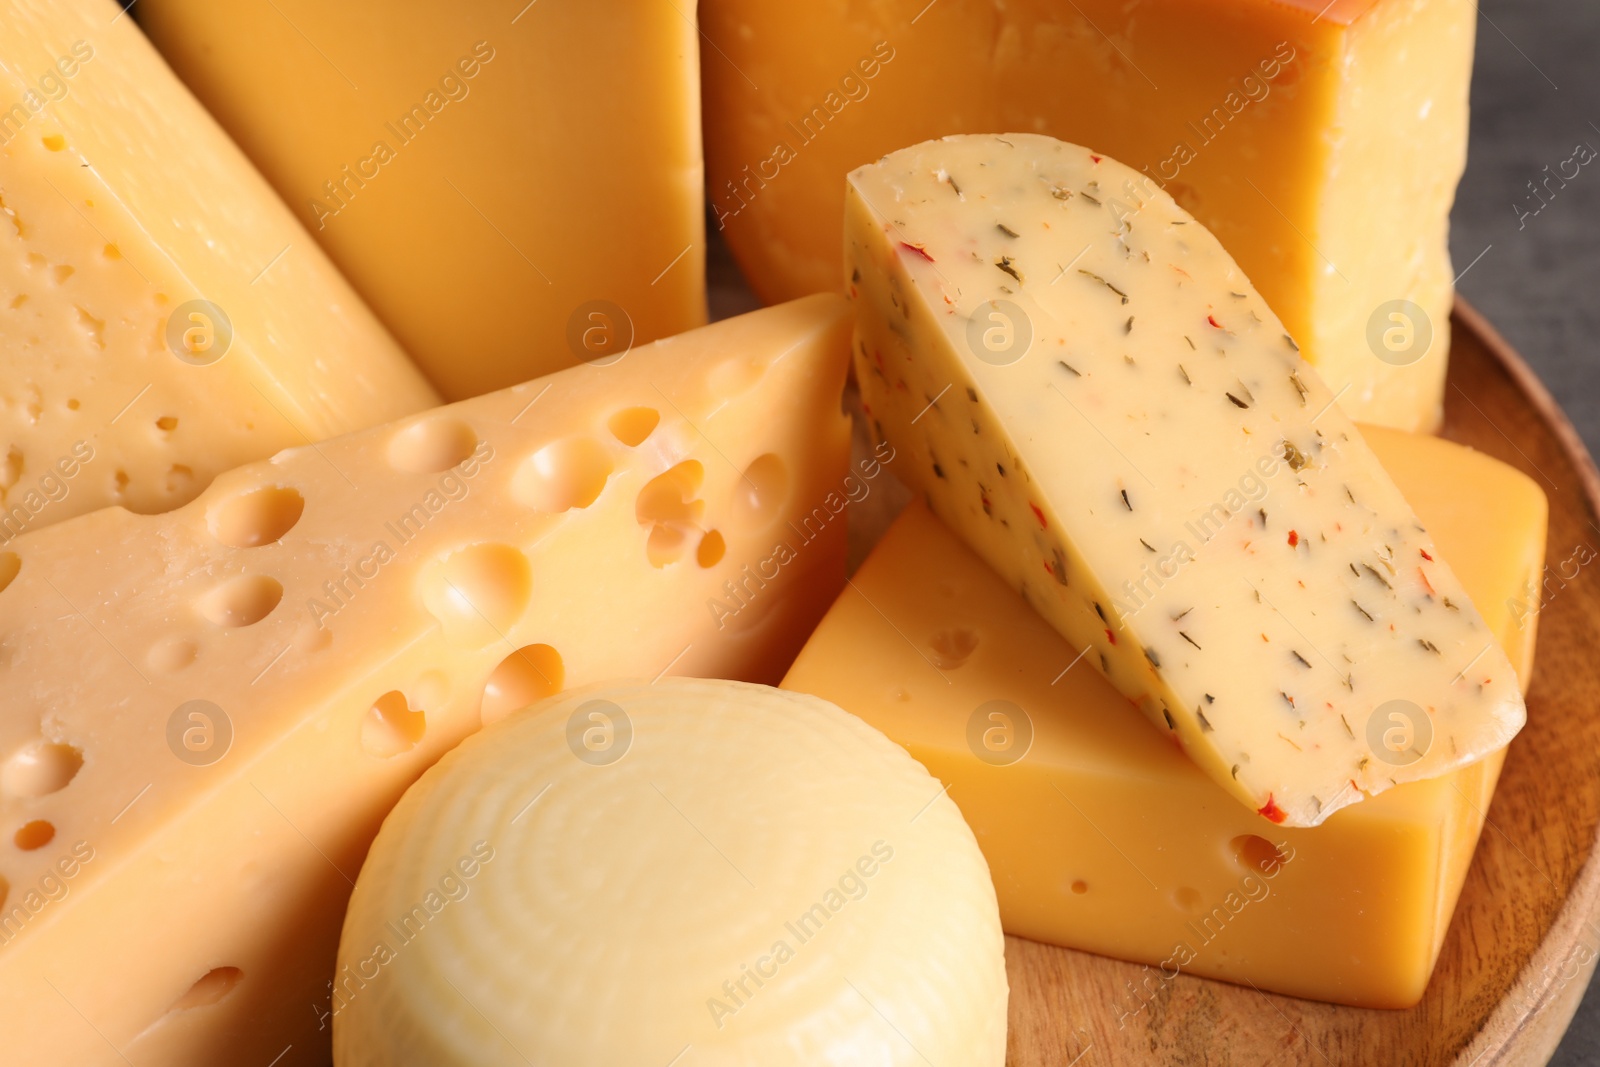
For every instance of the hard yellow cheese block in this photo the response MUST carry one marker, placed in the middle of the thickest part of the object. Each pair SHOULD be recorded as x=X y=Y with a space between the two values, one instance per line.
x=1320 y=141
x=746 y=876
x=1102 y=836
x=512 y=186
x=1094 y=397
x=163 y=318
x=221 y=703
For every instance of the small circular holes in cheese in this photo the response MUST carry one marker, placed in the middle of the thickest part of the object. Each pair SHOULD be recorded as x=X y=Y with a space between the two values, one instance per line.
x=761 y=492
x=257 y=517
x=432 y=445
x=952 y=648
x=241 y=601
x=632 y=425
x=1256 y=854
x=562 y=475
x=40 y=768
x=10 y=564
x=525 y=677
x=712 y=549
x=34 y=835
x=391 y=727
x=209 y=988
x=479 y=592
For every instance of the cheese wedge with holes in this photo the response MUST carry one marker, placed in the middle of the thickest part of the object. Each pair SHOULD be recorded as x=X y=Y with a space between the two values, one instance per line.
x=163 y=317
x=1320 y=140
x=1088 y=390
x=780 y=885
x=1102 y=837
x=513 y=187
x=219 y=704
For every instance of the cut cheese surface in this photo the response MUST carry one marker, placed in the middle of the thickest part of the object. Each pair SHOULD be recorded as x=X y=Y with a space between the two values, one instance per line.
x=513 y=187
x=163 y=317
x=1093 y=396
x=223 y=702
x=1320 y=141
x=1102 y=837
x=723 y=873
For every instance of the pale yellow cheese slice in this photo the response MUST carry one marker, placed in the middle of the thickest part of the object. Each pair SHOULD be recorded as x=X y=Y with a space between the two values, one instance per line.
x=221 y=703
x=1320 y=140
x=513 y=186
x=1091 y=393
x=163 y=317
x=1103 y=837
x=701 y=871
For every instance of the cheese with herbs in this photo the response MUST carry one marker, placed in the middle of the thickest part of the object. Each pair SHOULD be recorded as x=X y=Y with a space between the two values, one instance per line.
x=1089 y=391
x=1102 y=837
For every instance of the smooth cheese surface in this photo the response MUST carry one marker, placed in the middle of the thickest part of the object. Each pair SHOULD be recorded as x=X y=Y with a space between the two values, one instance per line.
x=724 y=873
x=1102 y=836
x=123 y=206
x=1321 y=142
x=1091 y=393
x=222 y=702
x=513 y=187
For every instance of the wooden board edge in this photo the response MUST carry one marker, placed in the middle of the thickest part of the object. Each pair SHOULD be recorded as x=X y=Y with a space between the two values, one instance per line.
x=1527 y=1024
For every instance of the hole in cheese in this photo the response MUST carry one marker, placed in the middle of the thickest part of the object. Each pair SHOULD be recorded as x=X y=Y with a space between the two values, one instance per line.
x=761 y=492
x=35 y=834
x=1187 y=899
x=562 y=475
x=664 y=545
x=952 y=648
x=527 y=676
x=482 y=587
x=1256 y=854
x=711 y=550
x=632 y=425
x=391 y=727
x=431 y=445
x=1080 y=887
x=209 y=988
x=669 y=496
x=10 y=564
x=732 y=376
x=171 y=654
x=167 y=423
x=40 y=768
x=241 y=601
x=258 y=517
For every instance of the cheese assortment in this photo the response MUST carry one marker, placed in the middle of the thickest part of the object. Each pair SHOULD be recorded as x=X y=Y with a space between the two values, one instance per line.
x=222 y=702
x=1320 y=140
x=360 y=727
x=513 y=187
x=1133 y=852
x=1088 y=390
x=826 y=903
x=163 y=317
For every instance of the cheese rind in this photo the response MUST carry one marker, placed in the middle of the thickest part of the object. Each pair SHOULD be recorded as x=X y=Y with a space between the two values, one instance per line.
x=1321 y=142
x=1102 y=837
x=1095 y=398
x=749 y=874
x=512 y=188
x=251 y=681
x=124 y=205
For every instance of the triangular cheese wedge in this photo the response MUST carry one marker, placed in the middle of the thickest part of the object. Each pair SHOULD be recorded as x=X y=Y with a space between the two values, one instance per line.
x=208 y=713
x=1090 y=392
x=163 y=317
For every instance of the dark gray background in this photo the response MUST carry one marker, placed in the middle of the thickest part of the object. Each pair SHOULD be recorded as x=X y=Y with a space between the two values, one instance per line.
x=1535 y=96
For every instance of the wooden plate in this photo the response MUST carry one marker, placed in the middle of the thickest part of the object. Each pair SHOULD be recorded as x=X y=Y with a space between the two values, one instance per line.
x=1525 y=936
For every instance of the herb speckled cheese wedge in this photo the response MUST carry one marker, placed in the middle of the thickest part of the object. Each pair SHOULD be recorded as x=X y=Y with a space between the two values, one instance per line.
x=1095 y=398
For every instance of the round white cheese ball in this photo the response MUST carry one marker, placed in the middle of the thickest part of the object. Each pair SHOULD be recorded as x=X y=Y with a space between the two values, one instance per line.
x=688 y=873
